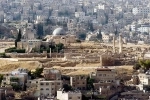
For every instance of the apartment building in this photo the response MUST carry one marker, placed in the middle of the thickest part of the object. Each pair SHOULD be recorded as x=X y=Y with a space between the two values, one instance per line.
x=78 y=82
x=106 y=38
x=143 y=10
x=18 y=76
x=104 y=75
x=71 y=95
x=80 y=14
x=49 y=88
x=33 y=83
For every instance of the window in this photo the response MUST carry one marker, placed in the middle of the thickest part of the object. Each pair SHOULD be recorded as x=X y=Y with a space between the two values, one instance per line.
x=41 y=88
x=52 y=89
x=47 y=83
x=58 y=83
x=52 y=83
x=41 y=84
x=70 y=97
x=47 y=88
x=78 y=97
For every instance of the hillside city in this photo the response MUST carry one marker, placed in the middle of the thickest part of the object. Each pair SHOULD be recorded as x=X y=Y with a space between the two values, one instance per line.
x=74 y=50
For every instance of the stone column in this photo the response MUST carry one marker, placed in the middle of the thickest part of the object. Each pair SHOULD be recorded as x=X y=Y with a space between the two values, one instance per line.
x=120 y=43
x=114 y=51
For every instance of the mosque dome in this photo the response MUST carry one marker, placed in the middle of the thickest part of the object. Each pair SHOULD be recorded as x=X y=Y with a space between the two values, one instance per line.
x=59 y=31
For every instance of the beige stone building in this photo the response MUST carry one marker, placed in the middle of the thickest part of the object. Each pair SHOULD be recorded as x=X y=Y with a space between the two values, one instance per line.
x=49 y=88
x=71 y=95
x=134 y=95
x=33 y=83
x=107 y=89
x=51 y=74
x=78 y=82
x=104 y=75
x=28 y=45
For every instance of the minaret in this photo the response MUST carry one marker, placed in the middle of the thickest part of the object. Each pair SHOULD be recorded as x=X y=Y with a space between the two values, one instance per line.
x=114 y=51
x=120 y=43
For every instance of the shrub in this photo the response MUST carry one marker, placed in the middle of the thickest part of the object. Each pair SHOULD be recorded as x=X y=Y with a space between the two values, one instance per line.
x=79 y=41
x=14 y=49
x=136 y=66
x=38 y=72
x=3 y=55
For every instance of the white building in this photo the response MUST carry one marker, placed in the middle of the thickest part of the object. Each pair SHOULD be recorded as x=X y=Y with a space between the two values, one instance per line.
x=144 y=78
x=71 y=95
x=106 y=38
x=80 y=14
x=142 y=10
x=91 y=37
x=18 y=76
x=144 y=28
x=102 y=6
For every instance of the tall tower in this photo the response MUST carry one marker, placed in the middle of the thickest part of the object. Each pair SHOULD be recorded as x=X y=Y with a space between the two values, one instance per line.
x=120 y=43
x=114 y=51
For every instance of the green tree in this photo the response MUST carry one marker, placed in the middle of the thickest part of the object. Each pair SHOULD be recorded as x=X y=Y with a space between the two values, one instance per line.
x=145 y=64
x=19 y=36
x=90 y=82
x=136 y=66
x=91 y=27
x=18 y=39
x=40 y=30
x=79 y=41
x=59 y=47
x=82 y=36
x=99 y=35
x=147 y=88
x=14 y=79
x=40 y=7
x=38 y=72
x=1 y=78
x=16 y=87
x=106 y=16
x=67 y=87
x=116 y=31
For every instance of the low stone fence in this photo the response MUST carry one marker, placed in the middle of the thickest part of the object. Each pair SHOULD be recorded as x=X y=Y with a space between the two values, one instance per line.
x=36 y=55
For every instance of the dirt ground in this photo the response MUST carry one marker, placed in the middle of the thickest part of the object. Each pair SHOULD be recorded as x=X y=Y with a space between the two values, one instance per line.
x=7 y=66
x=68 y=69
